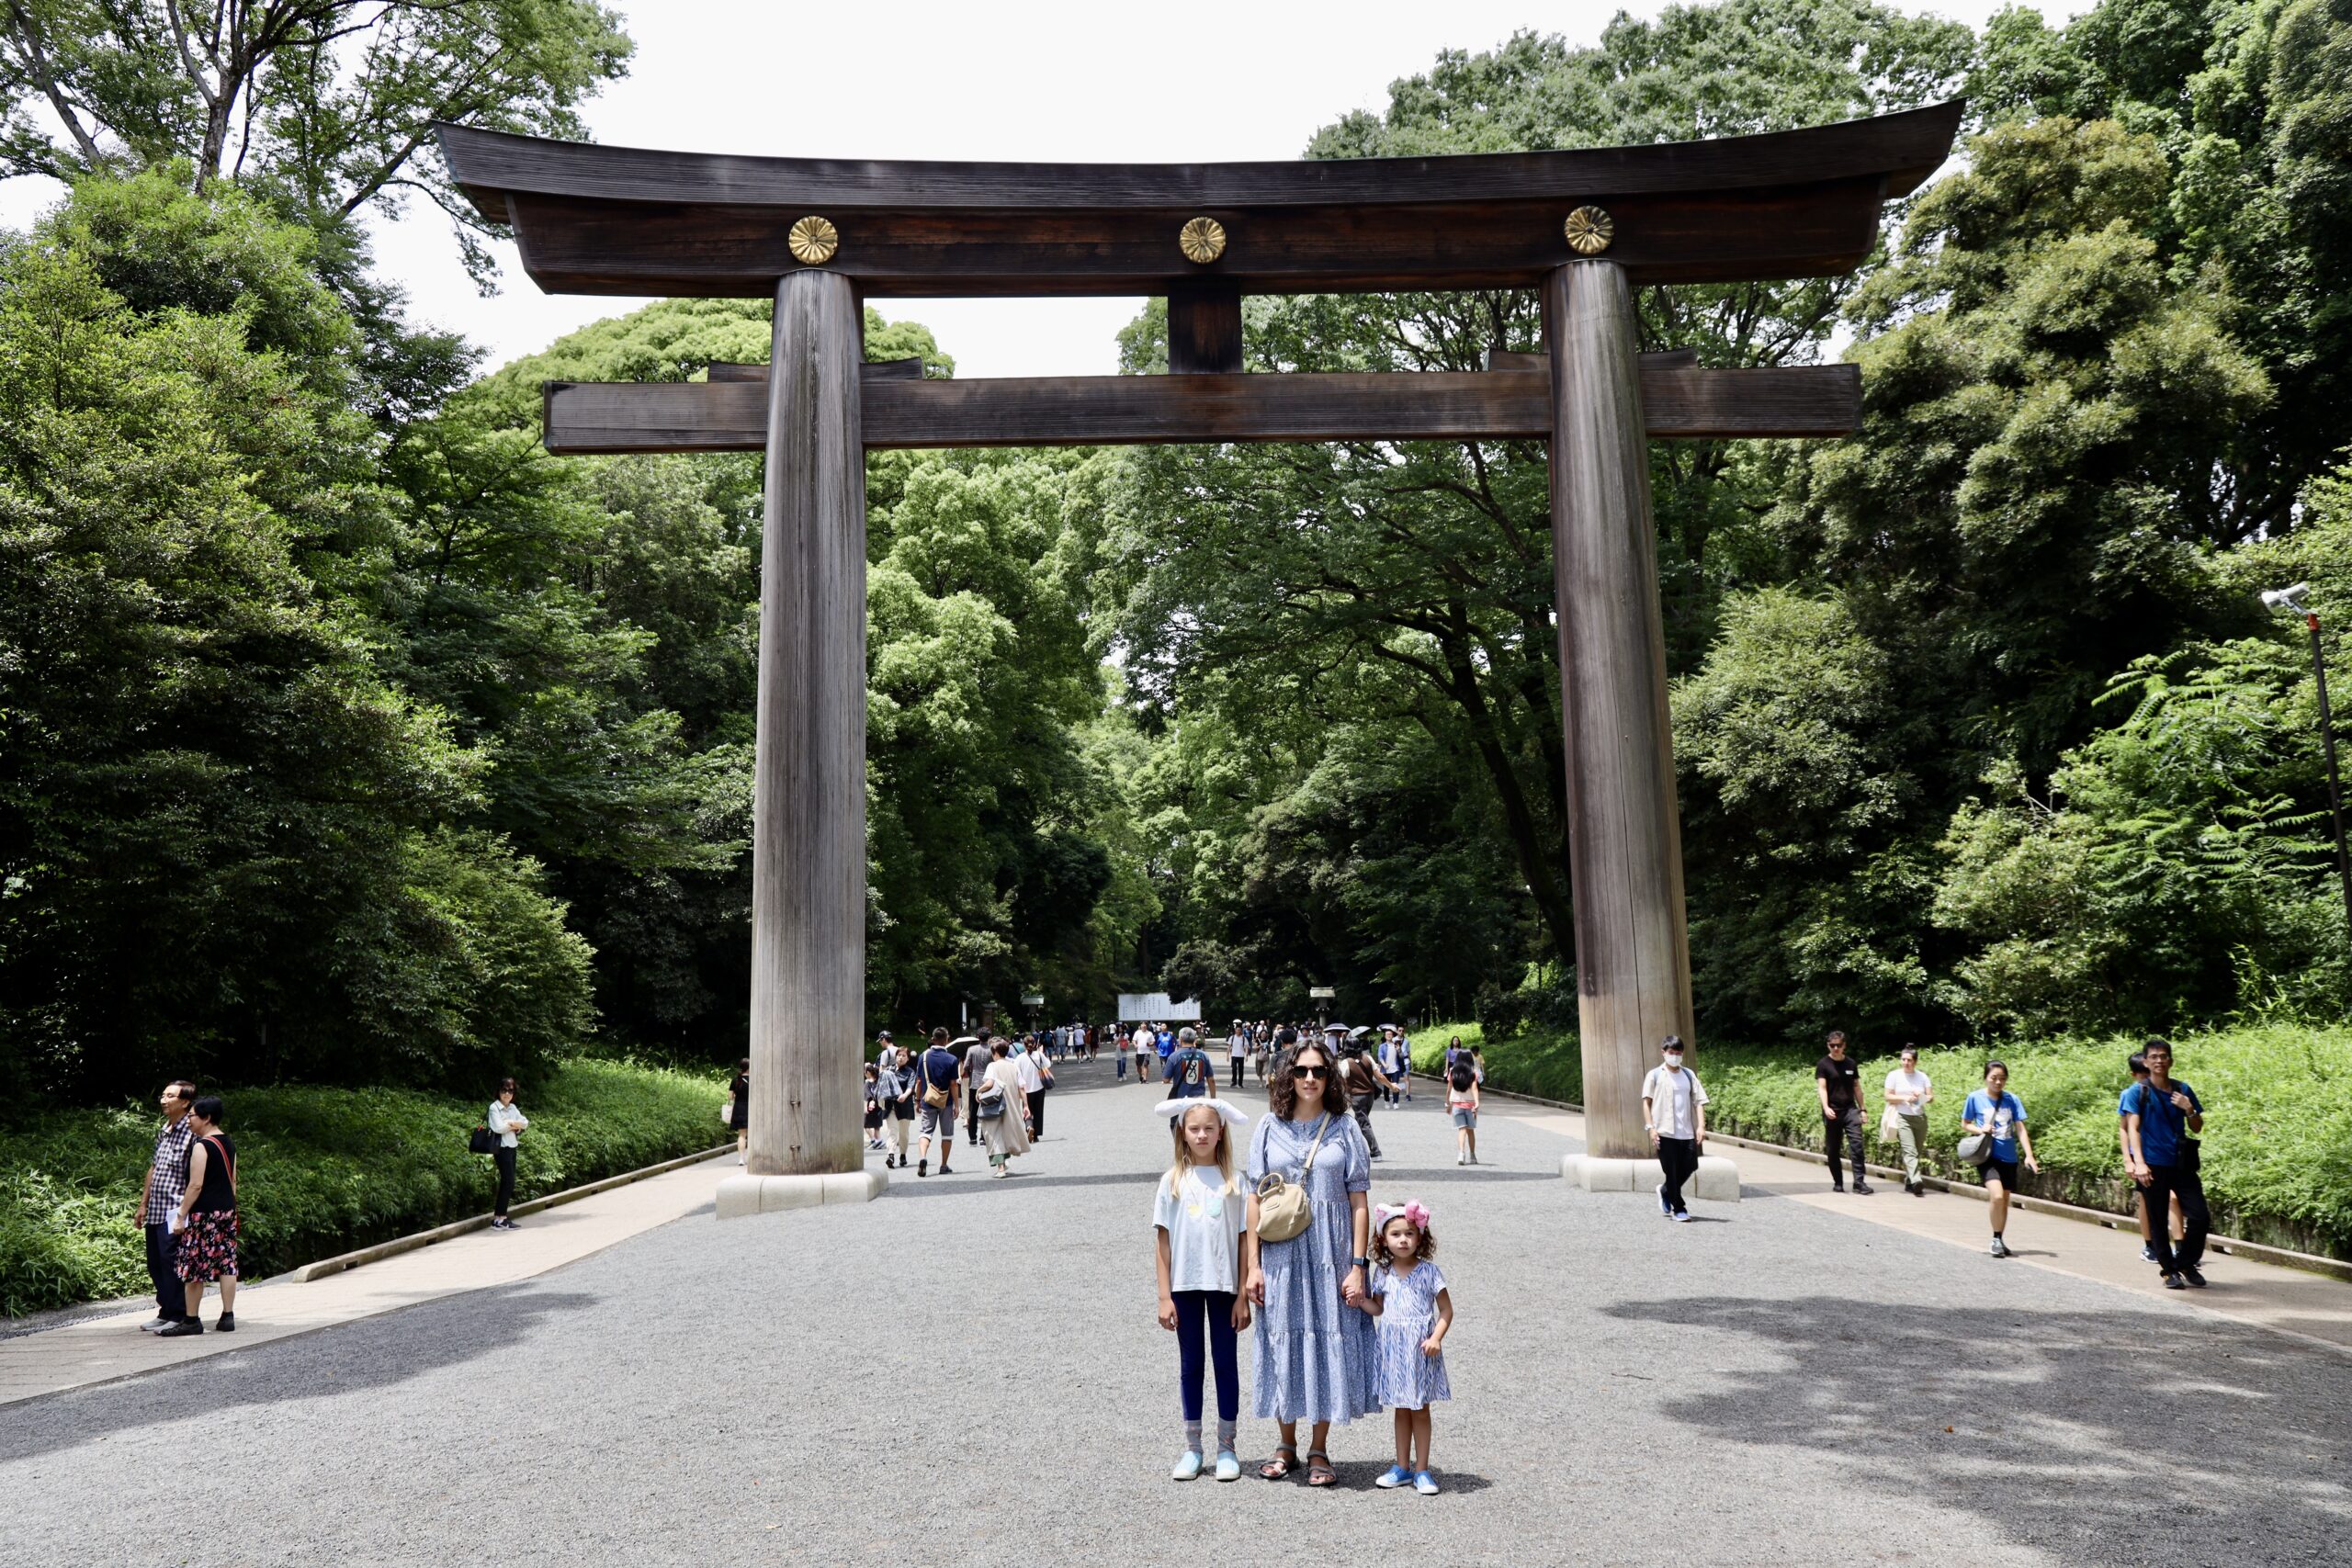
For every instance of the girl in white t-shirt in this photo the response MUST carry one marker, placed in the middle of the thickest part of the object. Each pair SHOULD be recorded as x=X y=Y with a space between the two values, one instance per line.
x=1198 y=1217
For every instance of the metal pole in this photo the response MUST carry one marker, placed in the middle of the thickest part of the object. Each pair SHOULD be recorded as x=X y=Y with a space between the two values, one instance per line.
x=2335 y=782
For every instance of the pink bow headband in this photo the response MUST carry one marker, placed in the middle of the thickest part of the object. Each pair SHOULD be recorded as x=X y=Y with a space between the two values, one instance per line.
x=1411 y=1208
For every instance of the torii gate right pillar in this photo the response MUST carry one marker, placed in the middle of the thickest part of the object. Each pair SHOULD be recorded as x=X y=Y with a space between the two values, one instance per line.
x=1633 y=954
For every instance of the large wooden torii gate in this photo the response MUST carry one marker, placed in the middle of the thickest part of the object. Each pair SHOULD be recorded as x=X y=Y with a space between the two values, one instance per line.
x=821 y=235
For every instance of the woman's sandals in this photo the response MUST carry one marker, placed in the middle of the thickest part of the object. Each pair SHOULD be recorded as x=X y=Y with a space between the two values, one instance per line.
x=1281 y=1465
x=1318 y=1469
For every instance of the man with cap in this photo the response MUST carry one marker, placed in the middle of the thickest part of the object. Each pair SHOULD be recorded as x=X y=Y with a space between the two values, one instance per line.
x=1674 y=1106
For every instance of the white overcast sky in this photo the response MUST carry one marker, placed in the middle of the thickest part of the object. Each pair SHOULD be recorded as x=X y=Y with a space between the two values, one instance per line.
x=1096 y=82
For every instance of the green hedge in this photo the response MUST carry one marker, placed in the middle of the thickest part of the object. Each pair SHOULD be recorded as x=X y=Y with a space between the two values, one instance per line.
x=2278 y=1148
x=322 y=1171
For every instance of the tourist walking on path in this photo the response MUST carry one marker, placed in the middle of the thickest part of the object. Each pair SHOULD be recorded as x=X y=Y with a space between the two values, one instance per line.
x=1906 y=1094
x=1674 y=1104
x=159 y=1205
x=1198 y=1217
x=941 y=1073
x=2139 y=1066
x=1147 y=1046
x=1121 y=1049
x=1408 y=1297
x=1396 y=1065
x=1190 y=1074
x=2159 y=1117
x=206 y=1222
x=976 y=1057
x=1462 y=1104
x=1004 y=1109
x=1312 y=1358
x=1364 y=1083
x=899 y=1087
x=1838 y=1080
x=873 y=1109
x=1237 y=1050
x=2000 y=1116
x=506 y=1123
x=1036 y=1077
x=739 y=1106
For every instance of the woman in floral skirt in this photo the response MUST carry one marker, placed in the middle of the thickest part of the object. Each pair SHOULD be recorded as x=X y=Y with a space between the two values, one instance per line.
x=207 y=1220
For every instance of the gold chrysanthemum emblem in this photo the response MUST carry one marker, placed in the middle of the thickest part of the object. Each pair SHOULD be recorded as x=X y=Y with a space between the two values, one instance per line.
x=1201 y=240
x=1589 y=230
x=814 y=240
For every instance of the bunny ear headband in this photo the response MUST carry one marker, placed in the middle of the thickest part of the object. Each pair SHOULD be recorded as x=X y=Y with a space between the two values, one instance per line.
x=1411 y=1209
x=1230 y=1113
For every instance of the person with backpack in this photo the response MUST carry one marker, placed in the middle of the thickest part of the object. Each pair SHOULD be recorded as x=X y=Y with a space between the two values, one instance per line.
x=206 y=1221
x=1190 y=1074
x=1461 y=1101
x=899 y=1087
x=1362 y=1081
x=505 y=1121
x=2158 y=1118
x=976 y=1057
x=1674 y=1104
x=1397 y=1064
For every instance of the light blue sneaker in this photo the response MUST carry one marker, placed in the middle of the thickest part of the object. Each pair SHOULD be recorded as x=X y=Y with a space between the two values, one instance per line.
x=1663 y=1206
x=1228 y=1465
x=1396 y=1476
x=1187 y=1467
x=1425 y=1484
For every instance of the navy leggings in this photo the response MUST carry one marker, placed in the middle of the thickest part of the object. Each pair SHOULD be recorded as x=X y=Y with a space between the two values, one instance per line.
x=1192 y=1307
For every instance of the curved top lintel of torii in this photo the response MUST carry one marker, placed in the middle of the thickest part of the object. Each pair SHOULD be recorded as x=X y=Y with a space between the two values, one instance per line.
x=593 y=219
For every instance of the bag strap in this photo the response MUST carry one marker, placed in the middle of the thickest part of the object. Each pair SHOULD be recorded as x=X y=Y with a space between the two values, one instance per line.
x=1316 y=1147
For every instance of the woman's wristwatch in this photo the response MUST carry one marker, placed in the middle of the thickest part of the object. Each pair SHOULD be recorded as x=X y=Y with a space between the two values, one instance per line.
x=1361 y=1263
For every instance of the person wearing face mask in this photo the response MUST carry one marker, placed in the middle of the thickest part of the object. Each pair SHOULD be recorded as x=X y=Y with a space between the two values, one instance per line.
x=1675 y=1106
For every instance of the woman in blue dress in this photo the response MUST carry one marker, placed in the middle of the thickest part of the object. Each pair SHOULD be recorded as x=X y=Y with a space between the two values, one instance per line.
x=1312 y=1358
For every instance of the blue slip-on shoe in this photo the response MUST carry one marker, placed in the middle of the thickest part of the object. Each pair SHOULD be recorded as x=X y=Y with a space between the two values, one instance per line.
x=1396 y=1476
x=1681 y=1216
x=1228 y=1465
x=1425 y=1484
x=1186 y=1468
x=1663 y=1206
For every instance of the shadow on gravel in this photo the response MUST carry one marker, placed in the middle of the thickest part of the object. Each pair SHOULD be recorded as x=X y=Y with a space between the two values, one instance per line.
x=2127 y=1437
x=379 y=1352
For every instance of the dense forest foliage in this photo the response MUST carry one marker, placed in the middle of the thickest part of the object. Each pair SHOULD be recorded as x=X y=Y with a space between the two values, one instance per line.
x=346 y=736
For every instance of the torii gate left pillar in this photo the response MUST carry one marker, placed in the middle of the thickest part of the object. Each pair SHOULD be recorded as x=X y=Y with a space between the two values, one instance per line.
x=808 y=790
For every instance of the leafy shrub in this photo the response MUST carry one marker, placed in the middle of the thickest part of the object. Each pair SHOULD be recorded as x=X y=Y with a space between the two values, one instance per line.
x=322 y=1171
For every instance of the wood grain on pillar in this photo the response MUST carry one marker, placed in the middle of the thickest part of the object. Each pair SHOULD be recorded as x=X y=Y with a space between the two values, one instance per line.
x=808 y=799
x=1624 y=837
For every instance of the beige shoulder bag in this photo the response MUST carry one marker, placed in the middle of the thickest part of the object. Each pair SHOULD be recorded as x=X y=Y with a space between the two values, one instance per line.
x=1283 y=1209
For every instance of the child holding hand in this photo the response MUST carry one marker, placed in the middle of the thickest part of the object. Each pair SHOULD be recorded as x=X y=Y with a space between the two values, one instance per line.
x=1409 y=1296
x=1199 y=1218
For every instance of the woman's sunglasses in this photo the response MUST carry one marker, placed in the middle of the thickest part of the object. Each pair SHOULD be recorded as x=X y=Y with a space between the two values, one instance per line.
x=1310 y=1072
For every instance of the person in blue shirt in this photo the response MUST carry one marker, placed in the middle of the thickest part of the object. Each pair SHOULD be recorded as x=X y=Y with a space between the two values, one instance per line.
x=2158 y=1117
x=1995 y=1110
x=1190 y=1074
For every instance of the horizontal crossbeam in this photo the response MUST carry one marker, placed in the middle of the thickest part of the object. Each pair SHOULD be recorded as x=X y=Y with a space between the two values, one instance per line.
x=1679 y=402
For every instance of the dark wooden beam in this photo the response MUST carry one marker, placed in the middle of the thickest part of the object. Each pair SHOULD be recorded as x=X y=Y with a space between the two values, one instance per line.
x=1678 y=401
x=907 y=369
x=1204 y=329
x=628 y=220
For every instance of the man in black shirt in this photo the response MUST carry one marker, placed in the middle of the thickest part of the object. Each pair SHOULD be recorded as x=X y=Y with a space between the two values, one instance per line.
x=1838 y=1080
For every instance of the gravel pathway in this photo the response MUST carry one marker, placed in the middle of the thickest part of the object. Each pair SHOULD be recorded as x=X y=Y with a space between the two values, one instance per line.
x=968 y=1371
